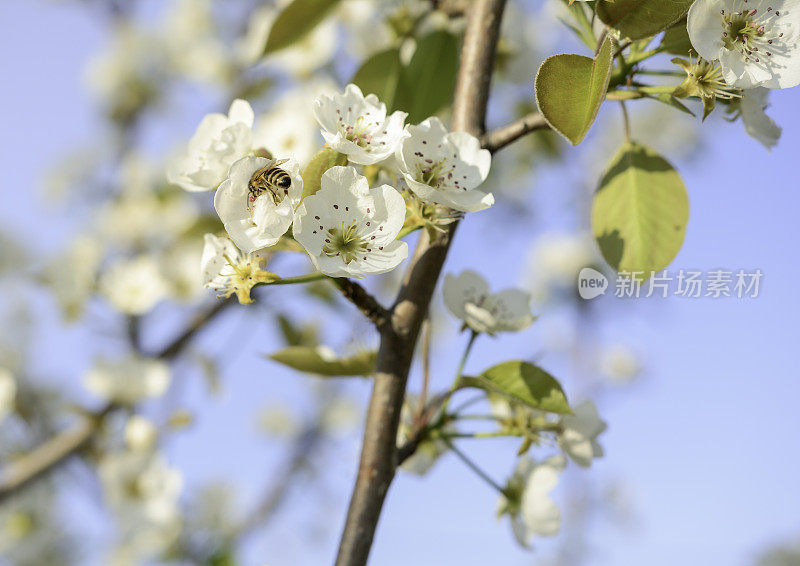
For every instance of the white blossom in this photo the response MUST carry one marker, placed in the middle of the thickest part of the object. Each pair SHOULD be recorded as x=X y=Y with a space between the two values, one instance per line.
x=755 y=41
x=128 y=380
x=219 y=141
x=227 y=270
x=140 y=434
x=554 y=261
x=72 y=274
x=467 y=296
x=445 y=167
x=192 y=44
x=134 y=286
x=178 y=265
x=358 y=126
x=579 y=432
x=257 y=212
x=757 y=124
x=619 y=364
x=348 y=229
x=8 y=392
x=142 y=492
x=527 y=499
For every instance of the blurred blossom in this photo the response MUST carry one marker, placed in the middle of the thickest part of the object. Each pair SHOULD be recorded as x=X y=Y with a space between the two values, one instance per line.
x=72 y=274
x=619 y=364
x=278 y=421
x=139 y=219
x=134 y=286
x=142 y=492
x=757 y=124
x=527 y=502
x=579 y=432
x=554 y=262
x=467 y=296
x=140 y=434
x=519 y=47
x=179 y=268
x=125 y=76
x=8 y=393
x=289 y=128
x=301 y=58
x=129 y=380
x=31 y=531
x=193 y=44
x=341 y=414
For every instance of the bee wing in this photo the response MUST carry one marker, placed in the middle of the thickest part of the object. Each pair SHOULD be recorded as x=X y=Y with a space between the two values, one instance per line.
x=280 y=162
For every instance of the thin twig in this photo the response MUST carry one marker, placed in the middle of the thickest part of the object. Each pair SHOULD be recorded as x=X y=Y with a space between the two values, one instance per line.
x=365 y=302
x=497 y=139
x=398 y=339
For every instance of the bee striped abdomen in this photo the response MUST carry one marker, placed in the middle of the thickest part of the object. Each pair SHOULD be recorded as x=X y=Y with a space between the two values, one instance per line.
x=270 y=179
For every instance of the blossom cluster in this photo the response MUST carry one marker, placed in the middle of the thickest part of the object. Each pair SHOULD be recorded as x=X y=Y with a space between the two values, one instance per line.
x=347 y=227
x=745 y=49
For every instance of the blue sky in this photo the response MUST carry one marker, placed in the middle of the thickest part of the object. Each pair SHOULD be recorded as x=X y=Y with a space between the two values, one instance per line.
x=704 y=445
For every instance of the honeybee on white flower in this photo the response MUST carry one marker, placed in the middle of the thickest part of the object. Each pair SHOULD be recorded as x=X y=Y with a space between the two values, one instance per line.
x=256 y=202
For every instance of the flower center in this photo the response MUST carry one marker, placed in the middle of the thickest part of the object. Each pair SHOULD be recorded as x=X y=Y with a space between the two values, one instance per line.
x=748 y=31
x=433 y=173
x=709 y=80
x=346 y=243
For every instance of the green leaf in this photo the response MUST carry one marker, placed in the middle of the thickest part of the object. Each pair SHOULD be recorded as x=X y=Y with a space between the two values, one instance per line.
x=637 y=19
x=321 y=162
x=640 y=211
x=523 y=382
x=321 y=361
x=570 y=89
x=297 y=20
x=430 y=77
x=676 y=40
x=381 y=75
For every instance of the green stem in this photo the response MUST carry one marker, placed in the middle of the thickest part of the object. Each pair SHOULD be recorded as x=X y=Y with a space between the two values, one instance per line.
x=308 y=278
x=473 y=466
x=464 y=357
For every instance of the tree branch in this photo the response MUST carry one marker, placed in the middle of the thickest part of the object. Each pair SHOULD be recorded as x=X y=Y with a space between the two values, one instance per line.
x=57 y=450
x=501 y=137
x=378 y=454
x=365 y=302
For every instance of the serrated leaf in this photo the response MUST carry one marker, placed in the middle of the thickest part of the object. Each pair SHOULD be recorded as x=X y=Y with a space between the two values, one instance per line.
x=296 y=21
x=430 y=77
x=637 y=19
x=322 y=361
x=321 y=162
x=640 y=211
x=570 y=88
x=523 y=382
x=381 y=75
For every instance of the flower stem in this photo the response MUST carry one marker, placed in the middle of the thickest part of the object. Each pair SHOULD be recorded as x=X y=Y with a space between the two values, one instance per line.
x=473 y=466
x=308 y=278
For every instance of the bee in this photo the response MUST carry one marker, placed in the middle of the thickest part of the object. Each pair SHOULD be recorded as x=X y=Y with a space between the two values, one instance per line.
x=270 y=179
